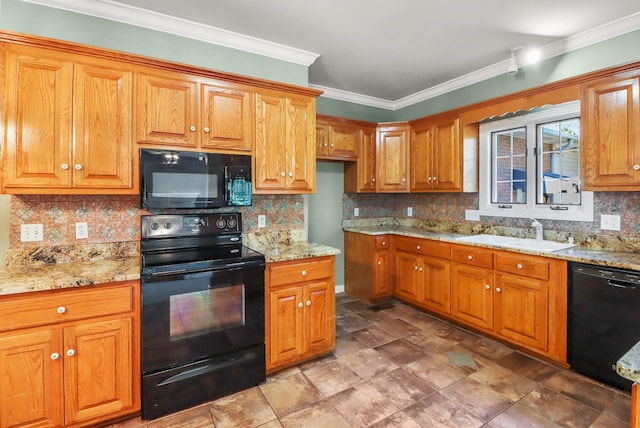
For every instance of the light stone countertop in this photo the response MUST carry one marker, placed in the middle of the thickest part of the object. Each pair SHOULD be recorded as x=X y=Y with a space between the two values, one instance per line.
x=617 y=259
x=293 y=250
x=629 y=364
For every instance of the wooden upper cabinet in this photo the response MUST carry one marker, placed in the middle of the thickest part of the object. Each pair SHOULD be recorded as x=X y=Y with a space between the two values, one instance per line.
x=360 y=176
x=177 y=110
x=436 y=155
x=611 y=132
x=392 y=158
x=68 y=124
x=337 y=138
x=284 y=160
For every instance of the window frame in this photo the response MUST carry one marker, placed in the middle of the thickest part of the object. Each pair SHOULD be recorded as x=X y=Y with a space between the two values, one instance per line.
x=582 y=212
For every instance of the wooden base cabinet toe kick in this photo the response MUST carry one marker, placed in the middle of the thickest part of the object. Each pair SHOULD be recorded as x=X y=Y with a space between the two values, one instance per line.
x=301 y=310
x=69 y=358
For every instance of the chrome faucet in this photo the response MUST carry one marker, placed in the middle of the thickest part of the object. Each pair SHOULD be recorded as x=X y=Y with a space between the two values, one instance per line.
x=538 y=227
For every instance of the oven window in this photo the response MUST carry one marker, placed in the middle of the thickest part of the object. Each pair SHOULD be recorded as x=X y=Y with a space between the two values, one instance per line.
x=185 y=185
x=202 y=312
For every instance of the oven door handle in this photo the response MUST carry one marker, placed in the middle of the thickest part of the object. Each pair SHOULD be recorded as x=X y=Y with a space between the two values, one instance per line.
x=186 y=271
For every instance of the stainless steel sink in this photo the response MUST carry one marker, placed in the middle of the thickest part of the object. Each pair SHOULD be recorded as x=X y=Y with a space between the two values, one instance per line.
x=542 y=246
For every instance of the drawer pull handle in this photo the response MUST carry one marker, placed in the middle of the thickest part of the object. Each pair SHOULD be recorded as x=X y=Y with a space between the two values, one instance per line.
x=55 y=356
x=304 y=273
x=470 y=257
x=498 y=290
x=61 y=309
x=519 y=265
x=71 y=352
x=487 y=286
x=300 y=305
x=384 y=243
x=308 y=302
x=418 y=247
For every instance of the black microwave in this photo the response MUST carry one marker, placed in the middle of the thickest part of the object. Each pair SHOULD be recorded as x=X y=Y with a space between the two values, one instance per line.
x=172 y=179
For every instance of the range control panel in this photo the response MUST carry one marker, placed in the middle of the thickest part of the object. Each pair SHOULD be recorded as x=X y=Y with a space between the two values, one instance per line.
x=178 y=225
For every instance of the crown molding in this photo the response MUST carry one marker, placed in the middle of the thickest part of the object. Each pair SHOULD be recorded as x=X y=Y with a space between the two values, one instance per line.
x=181 y=27
x=113 y=11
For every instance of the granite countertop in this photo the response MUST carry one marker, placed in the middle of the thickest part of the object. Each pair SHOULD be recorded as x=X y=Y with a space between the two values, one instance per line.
x=617 y=259
x=32 y=273
x=629 y=364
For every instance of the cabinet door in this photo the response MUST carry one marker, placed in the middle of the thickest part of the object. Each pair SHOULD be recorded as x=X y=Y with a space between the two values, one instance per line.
x=31 y=369
x=167 y=110
x=611 y=141
x=227 y=121
x=38 y=128
x=320 y=317
x=102 y=116
x=301 y=125
x=407 y=276
x=472 y=295
x=447 y=155
x=392 y=160
x=521 y=310
x=322 y=140
x=381 y=281
x=421 y=159
x=436 y=289
x=271 y=147
x=98 y=367
x=285 y=331
x=344 y=141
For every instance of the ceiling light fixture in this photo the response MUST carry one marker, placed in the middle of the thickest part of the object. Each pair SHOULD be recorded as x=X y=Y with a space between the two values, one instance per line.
x=512 y=68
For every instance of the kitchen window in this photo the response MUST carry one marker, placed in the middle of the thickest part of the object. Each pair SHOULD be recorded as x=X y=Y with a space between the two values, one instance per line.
x=530 y=166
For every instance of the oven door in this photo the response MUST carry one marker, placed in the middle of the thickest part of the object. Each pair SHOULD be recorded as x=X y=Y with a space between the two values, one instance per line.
x=191 y=316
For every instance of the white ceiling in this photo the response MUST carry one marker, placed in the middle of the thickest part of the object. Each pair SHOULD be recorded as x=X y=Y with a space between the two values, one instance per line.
x=388 y=51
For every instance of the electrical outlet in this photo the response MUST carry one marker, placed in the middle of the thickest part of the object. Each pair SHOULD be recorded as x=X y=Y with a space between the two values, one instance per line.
x=262 y=220
x=409 y=211
x=609 y=222
x=472 y=215
x=31 y=232
x=82 y=230
x=356 y=212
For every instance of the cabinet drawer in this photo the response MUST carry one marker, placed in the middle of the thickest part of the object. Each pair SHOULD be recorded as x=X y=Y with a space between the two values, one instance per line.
x=472 y=256
x=291 y=273
x=424 y=247
x=522 y=265
x=62 y=306
x=382 y=242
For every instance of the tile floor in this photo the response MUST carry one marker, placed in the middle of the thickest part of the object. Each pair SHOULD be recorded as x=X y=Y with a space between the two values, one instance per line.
x=400 y=367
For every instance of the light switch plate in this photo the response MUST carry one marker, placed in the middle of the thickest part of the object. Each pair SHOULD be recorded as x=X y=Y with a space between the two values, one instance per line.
x=472 y=215
x=609 y=222
x=31 y=232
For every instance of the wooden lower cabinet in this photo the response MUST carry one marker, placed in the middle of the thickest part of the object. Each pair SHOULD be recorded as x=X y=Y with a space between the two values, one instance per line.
x=70 y=373
x=367 y=265
x=300 y=311
x=471 y=297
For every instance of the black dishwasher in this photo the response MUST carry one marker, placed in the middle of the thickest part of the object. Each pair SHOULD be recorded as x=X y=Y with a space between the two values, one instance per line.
x=604 y=320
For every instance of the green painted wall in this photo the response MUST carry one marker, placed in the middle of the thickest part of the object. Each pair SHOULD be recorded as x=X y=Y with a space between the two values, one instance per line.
x=353 y=111
x=58 y=24
x=615 y=51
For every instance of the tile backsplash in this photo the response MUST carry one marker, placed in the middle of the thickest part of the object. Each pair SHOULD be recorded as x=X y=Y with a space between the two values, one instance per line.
x=450 y=208
x=116 y=218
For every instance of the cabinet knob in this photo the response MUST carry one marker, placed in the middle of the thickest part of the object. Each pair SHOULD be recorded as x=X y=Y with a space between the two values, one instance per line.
x=61 y=309
x=308 y=302
x=487 y=286
x=333 y=145
x=300 y=305
x=428 y=178
x=325 y=144
x=192 y=128
x=64 y=166
x=373 y=180
x=418 y=247
x=304 y=273
x=435 y=178
x=404 y=178
x=78 y=167
x=206 y=129
x=636 y=167
x=498 y=290
x=71 y=352
x=519 y=266
x=420 y=269
x=283 y=173
x=384 y=243
x=379 y=262
x=55 y=356
x=415 y=267
x=470 y=257
x=290 y=173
